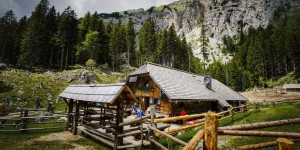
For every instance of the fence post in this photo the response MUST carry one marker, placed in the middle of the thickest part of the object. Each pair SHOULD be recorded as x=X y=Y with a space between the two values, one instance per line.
x=25 y=121
x=211 y=131
x=285 y=144
x=273 y=104
x=153 y=116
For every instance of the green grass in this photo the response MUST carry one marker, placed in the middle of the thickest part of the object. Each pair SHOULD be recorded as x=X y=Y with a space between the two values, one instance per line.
x=289 y=78
x=18 y=141
x=281 y=111
x=22 y=84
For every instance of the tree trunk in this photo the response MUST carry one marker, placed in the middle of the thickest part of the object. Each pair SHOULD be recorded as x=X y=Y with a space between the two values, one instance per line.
x=259 y=133
x=256 y=146
x=51 y=58
x=62 y=58
x=261 y=125
x=3 y=52
x=66 y=64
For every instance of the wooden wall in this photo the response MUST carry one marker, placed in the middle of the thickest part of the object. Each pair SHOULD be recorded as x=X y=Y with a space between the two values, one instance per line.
x=165 y=107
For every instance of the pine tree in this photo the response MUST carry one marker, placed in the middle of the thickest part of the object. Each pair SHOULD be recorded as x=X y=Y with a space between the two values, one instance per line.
x=147 y=41
x=203 y=40
x=33 y=45
x=21 y=27
x=130 y=39
x=8 y=26
x=117 y=45
x=67 y=37
x=51 y=26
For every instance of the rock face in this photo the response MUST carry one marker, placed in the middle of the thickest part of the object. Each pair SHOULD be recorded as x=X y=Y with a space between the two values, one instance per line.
x=222 y=18
x=87 y=77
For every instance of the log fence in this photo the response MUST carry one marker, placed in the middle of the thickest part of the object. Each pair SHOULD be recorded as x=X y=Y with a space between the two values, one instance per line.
x=24 y=121
x=211 y=131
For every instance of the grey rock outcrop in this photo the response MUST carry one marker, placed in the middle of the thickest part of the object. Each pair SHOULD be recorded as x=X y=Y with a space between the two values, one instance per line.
x=222 y=18
x=87 y=77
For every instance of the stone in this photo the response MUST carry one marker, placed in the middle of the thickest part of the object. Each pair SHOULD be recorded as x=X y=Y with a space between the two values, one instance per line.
x=87 y=77
x=2 y=66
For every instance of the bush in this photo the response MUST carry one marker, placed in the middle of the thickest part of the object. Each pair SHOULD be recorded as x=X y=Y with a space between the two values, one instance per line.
x=90 y=63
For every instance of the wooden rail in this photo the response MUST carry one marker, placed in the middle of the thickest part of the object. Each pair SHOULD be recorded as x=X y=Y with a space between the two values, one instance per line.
x=168 y=136
x=135 y=121
x=170 y=119
x=259 y=133
x=262 y=124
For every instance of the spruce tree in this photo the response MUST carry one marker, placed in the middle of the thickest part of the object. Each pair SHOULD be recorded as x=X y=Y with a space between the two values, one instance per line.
x=130 y=39
x=8 y=25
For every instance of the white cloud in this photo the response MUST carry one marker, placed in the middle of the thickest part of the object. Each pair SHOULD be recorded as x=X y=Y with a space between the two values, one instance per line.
x=25 y=7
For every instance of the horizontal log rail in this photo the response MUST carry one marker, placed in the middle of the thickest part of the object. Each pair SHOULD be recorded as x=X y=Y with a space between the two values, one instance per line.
x=224 y=112
x=176 y=130
x=256 y=146
x=259 y=133
x=260 y=125
x=37 y=117
x=132 y=133
x=134 y=121
x=168 y=136
x=47 y=128
x=170 y=119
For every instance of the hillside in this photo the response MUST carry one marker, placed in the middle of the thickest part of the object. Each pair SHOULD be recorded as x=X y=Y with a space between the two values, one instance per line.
x=222 y=18
x=26 y=86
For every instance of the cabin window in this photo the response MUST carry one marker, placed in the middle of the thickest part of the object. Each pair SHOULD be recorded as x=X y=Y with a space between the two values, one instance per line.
x=132 y=79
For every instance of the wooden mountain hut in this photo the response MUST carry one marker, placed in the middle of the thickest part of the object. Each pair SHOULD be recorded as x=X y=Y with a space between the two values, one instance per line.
x=172 y=90
x=292 y=89
x=98 y=106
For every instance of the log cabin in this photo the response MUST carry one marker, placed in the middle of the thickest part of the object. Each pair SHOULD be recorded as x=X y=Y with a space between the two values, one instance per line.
x=172 y=90
x=292 y=89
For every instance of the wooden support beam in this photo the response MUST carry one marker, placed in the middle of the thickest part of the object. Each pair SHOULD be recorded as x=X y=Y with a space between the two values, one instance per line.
x=76 y=117
x=260 y=125
x=194 y=141
x=134 y=121
x=158 y=144
x=211 y=131
x=178 y=118
x=168 y=136
x=65 y=100
x=119 y=129
x=285 y=144
x=70 y=110
x=133 y=133
x=256 y=146
x=259 y=133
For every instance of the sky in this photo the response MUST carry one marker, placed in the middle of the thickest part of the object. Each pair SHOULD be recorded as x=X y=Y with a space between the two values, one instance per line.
x=25 y=7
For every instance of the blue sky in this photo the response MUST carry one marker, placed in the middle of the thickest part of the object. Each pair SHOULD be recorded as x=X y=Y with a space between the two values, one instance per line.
x=25 y=7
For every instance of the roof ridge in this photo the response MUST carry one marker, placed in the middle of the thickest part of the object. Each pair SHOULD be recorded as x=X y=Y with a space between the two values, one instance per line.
x=168 y=67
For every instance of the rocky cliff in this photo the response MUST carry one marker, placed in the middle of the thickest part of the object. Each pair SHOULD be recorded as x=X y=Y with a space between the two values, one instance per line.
x=222 y=18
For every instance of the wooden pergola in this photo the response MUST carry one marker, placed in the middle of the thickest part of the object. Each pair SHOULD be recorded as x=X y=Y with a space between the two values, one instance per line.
x=91 y=107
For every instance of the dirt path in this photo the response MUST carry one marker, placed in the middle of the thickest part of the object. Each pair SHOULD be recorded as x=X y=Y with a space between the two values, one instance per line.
x=64 y=137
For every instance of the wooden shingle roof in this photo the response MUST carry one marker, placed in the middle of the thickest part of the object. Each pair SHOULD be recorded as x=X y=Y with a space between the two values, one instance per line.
x=106 y=93
x=291 y=86
x=180 y=85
